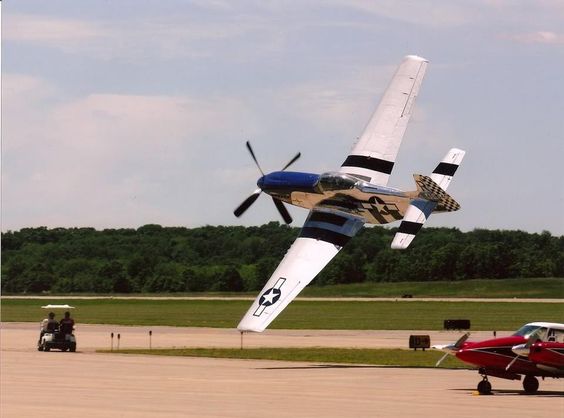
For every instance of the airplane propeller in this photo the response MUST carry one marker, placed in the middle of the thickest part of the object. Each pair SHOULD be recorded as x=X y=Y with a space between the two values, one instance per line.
x=533 y=338
x=254 y=158
x=242 y=208
x=452 y=347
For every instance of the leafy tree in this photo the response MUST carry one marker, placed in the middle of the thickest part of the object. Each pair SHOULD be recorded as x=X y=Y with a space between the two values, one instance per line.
x=233 y=258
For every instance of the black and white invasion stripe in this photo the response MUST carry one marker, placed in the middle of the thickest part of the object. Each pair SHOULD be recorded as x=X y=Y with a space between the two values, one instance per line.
x=331 y=227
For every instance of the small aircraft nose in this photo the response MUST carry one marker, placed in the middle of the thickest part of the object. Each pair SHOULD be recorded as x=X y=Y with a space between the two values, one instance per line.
x=521 y=350
x=260 y=182
x=450 y=348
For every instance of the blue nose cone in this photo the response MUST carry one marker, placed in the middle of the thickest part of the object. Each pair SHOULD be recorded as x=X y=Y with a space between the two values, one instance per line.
x=288 y=181
x=260 y=182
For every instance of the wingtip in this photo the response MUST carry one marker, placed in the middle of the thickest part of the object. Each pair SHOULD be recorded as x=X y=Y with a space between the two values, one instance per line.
x=246 y=328
x=401 y=241
x=241 y=330
x=397 y=246
x=416 y=58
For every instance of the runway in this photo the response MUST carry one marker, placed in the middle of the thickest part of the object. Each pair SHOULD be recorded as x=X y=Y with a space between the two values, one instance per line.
x=88 y=384
x=302 y=298
x=93 y=337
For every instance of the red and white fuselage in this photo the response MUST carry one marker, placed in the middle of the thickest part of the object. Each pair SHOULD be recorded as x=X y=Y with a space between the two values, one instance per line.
x=536 y=349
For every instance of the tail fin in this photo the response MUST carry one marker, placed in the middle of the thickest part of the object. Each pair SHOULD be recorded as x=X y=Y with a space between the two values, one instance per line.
x=431 y=196
x=429 y=190
x=442 y=174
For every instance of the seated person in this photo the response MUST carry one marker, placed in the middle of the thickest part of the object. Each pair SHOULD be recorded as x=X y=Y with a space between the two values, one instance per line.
x=49 y=324
x=67 y=324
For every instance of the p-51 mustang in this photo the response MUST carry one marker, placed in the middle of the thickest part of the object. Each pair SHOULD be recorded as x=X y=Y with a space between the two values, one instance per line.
x=341 y=202
x=536 y=349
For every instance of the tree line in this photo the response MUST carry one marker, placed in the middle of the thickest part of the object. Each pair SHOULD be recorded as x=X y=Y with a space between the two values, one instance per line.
x=153 y=258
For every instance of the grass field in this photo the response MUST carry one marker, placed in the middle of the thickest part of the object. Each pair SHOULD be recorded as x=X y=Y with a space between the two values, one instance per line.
x=401 y=315
x=543 y=288
x=381 y=357
x=534 y=288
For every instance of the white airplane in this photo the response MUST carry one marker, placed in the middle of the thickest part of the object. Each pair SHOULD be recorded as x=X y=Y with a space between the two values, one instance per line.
x=341 y=202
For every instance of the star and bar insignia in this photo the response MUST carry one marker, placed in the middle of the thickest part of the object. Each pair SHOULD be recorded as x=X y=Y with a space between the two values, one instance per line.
x=270 y=297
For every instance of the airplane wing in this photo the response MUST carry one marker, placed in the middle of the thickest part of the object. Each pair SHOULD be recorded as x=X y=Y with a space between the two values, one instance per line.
x=323 y=235
x=372 y=157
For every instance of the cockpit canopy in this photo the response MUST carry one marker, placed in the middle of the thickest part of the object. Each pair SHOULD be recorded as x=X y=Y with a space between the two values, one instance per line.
x=336 y=181
x=527 y=330
x=544 y=331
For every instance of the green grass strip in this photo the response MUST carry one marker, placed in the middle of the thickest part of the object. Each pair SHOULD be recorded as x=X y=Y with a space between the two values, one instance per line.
x=379 y=357
x=547 y=288
x=529 y=288
x=354 y=315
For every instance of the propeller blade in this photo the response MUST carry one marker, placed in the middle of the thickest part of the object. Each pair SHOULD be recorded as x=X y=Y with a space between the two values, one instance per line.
x=518 y=349
x=461 y=340
x=247 y=203
x=451 y=348
x=282 y=210
x=441 y=359
x=292 y=161
x=511 y=364
x=254 y=158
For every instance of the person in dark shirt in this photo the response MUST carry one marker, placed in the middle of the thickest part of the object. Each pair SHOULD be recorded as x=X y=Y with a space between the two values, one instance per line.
x=67 y=324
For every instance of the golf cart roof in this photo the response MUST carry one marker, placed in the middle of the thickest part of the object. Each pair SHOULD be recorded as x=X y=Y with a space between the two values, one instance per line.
x=57 y=307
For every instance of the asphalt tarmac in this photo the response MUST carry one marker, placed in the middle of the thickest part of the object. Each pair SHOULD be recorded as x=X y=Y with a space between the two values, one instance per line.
x=88 y=384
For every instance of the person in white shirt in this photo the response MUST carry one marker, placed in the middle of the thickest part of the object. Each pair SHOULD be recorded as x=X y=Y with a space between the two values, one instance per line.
x=48 y=324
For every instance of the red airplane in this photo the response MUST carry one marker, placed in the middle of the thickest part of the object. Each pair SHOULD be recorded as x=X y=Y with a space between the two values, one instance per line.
x=523 y=353
x=547 y=355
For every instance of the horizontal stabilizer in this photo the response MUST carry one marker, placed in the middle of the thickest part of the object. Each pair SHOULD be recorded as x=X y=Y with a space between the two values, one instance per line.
x=431 y=197
x=417 y=213
x=429 y=190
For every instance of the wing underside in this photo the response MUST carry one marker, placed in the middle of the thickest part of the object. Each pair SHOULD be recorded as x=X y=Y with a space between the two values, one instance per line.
x=321 y=238
x=373 y=156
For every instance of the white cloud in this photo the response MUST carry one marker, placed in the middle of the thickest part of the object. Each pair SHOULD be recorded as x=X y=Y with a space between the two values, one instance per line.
x=540 y=37
x=339 y=104
x=173 y=37
x=105 y=159
x=423 y=12
x=448 y=13
x=41 y=28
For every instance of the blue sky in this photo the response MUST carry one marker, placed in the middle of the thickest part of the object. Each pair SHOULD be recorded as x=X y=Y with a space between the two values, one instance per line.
x=123 y=113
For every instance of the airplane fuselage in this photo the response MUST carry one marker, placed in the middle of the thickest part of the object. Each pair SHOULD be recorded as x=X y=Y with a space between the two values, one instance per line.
x=493 y=356
x=338 y=192
x=508 y=358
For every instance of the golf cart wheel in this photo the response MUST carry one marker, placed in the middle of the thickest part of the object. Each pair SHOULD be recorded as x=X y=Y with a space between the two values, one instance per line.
x=46 y=348
x=530 y=384
x=484 y=387
x=72 y=348
x=39 y=347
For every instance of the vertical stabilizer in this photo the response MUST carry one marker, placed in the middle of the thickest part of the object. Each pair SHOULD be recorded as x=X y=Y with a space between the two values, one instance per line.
x=442 y=174
x=431 y=197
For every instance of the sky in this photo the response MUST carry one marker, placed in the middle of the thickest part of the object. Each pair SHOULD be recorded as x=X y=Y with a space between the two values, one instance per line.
x=117 y=114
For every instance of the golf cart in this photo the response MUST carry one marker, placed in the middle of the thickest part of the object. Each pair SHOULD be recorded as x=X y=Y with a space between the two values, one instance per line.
x=57 y=336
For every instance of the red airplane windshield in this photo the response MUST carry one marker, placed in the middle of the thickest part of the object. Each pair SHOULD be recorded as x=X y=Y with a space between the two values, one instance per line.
x=527 y=330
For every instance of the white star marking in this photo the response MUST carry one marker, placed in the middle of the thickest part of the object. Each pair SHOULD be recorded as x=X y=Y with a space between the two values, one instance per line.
x=269 y=296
